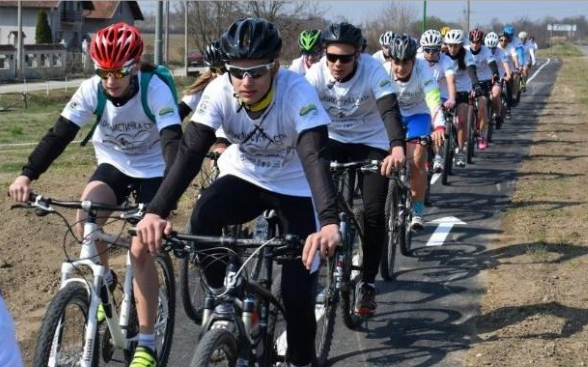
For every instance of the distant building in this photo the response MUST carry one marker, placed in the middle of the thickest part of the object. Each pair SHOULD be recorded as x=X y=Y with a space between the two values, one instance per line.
x=71 y=21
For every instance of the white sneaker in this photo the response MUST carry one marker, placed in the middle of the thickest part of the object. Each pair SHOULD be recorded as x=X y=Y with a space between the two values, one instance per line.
x=417 y=223
x=438 y=163
x=460 y=159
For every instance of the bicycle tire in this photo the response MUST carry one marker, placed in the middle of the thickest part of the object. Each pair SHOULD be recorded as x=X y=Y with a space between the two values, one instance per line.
x=329 y=301
x=430 y=155
x=274 y=349
x=213 y=341
x=447 y=155
x=490 y=120
x=471 y=120
x=192 y=291
x=165 y=317
x=72 y=294
x=352 y=277
x=404 y=234
x=388 y=260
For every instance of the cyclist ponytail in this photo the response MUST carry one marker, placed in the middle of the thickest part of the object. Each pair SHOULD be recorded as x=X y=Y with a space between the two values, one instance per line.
x=461 y=59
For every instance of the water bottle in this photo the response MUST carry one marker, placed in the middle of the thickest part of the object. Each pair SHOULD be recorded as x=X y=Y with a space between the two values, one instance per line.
x=242 y=362
x=261 y=228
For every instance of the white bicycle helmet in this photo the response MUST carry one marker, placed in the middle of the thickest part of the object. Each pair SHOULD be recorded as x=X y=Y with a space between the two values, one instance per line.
x=454 y=36
x=491 y=40
x=386 y=38
x=431 y=38
x=523 y=35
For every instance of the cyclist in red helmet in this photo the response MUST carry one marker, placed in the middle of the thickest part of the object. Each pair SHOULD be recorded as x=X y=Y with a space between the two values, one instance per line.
x=133 y=143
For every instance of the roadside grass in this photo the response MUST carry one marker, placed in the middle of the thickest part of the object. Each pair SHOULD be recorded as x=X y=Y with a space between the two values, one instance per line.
x=560 y=50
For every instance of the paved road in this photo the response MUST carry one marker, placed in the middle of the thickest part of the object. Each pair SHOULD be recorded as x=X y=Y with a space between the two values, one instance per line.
x=427 y=316
x=584 y=49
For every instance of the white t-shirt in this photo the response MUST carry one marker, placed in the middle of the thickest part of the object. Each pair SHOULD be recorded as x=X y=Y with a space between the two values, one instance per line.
x=264 y=150
x=412 y=94
x=463 y=82
x=527 y=50
x=510 y=53
x=191 y=100
x=299 y=66
x=9 y=351
x=125 y=137
x=482 y=60
x=352 y=105
x=501 y=58
x=379 y=55
x=440 y=69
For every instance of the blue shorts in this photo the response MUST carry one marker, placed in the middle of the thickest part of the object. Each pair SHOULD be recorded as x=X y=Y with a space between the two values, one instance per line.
x=417 y=125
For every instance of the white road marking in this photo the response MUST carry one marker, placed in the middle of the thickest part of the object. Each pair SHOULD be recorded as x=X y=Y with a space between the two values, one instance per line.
x=435 y=178
x=442 y=231
x=538 y=70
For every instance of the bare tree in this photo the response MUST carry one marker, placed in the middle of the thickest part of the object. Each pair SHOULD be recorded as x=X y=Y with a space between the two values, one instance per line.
x=400 y=17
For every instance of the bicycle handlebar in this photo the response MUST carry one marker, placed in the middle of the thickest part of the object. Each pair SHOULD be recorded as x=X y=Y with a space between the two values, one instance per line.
x=367 y=165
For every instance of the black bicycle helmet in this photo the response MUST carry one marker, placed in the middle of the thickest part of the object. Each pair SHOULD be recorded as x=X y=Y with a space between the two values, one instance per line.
x=364 y=44
x=343 y=33
x=213 y=55
x=403 y=48
x=251 y=38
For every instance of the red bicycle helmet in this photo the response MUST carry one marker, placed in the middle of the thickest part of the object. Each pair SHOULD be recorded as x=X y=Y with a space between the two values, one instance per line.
x=476 y=35
x=116 y=46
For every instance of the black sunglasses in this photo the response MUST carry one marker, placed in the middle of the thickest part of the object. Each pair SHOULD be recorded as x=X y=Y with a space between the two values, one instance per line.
x=343 y=58
x=431 y=50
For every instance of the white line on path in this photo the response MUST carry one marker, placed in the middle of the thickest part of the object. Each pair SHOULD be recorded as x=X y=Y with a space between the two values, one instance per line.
x=538 y=70
x=442 y=231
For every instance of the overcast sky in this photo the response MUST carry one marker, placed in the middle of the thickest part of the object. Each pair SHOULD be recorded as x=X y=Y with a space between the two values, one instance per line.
x=481 y=11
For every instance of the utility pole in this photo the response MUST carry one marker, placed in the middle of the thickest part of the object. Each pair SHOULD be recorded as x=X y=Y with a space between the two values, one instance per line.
x=424 y=17
x=19 y=66
x=186 y=39
x=158 y=30
x=166 y=33
x=468 y=17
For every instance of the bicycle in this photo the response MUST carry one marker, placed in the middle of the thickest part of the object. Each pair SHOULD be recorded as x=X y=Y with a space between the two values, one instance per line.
x=78 y=298
x=399 y=215
x=449 y=145
x=243 y=330
x=472 y=127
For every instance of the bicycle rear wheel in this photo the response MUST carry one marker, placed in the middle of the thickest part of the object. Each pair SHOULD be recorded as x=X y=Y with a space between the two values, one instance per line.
x=448 y=154
x=491 y=121
x=63 y=330
x=352 y=277
x=388 y=260
x=218 y=347
x=403 y=232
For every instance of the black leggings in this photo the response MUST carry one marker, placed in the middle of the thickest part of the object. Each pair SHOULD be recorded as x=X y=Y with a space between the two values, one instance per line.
x=231 y=200
x=374 y=189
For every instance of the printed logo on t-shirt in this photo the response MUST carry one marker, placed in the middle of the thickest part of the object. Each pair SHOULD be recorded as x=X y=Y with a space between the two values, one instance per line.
x=385 y=82
x=308 y=109
x=166 y=111
x=73 y=105
x=428 y=81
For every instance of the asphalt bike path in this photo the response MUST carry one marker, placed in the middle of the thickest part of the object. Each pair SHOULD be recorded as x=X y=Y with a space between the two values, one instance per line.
x=426 y=316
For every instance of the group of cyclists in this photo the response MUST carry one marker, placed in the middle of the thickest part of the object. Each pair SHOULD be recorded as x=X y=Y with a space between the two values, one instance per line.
x=278 y=129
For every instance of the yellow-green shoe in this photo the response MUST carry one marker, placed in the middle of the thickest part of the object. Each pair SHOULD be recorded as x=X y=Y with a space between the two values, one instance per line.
x=144 y=357
x=100 y=315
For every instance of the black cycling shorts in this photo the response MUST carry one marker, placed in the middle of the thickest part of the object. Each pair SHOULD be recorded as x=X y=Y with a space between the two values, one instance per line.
x=122 y=185
x=462 y=97
x=486 y=86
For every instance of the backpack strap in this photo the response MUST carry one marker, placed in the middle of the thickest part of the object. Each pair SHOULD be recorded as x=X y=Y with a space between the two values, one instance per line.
x=98 y=112
x=145 y=80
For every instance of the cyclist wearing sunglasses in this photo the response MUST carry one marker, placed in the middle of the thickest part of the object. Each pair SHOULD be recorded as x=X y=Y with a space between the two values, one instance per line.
x=491 y=41
x=383 y=54
x=487 y=72
x=465 y=79
x=359 y=97
x=214 y=59
x=443 y=72
x=129 y=147
x=278 y=160
x=419 y=98
x=311 y=51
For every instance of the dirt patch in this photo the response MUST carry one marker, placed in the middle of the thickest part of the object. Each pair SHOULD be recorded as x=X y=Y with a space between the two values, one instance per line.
x=535 y=312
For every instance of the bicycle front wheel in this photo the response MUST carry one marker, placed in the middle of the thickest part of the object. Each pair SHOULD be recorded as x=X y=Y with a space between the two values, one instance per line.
x=325 y=310
x=352 y=277
x=389 y=251
x=61 y=340
x=447 y=155
x=471 y=139
x=218 y=347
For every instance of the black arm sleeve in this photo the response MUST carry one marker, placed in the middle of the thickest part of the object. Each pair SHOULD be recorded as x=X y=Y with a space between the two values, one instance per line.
x=184 y=110
x=193 y=148
x=170 y=141
x=312 y=148
x=390 y=112
x=50 y=147
x=473 y=75
x=493 y=67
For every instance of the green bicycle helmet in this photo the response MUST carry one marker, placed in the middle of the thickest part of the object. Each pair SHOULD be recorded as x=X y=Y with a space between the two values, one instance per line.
x=310 y=40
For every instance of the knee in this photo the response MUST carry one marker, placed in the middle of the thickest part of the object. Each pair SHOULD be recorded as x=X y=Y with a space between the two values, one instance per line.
x=139 y=254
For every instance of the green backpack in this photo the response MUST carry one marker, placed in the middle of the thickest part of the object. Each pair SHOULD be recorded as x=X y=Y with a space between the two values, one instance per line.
x=147 y=73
